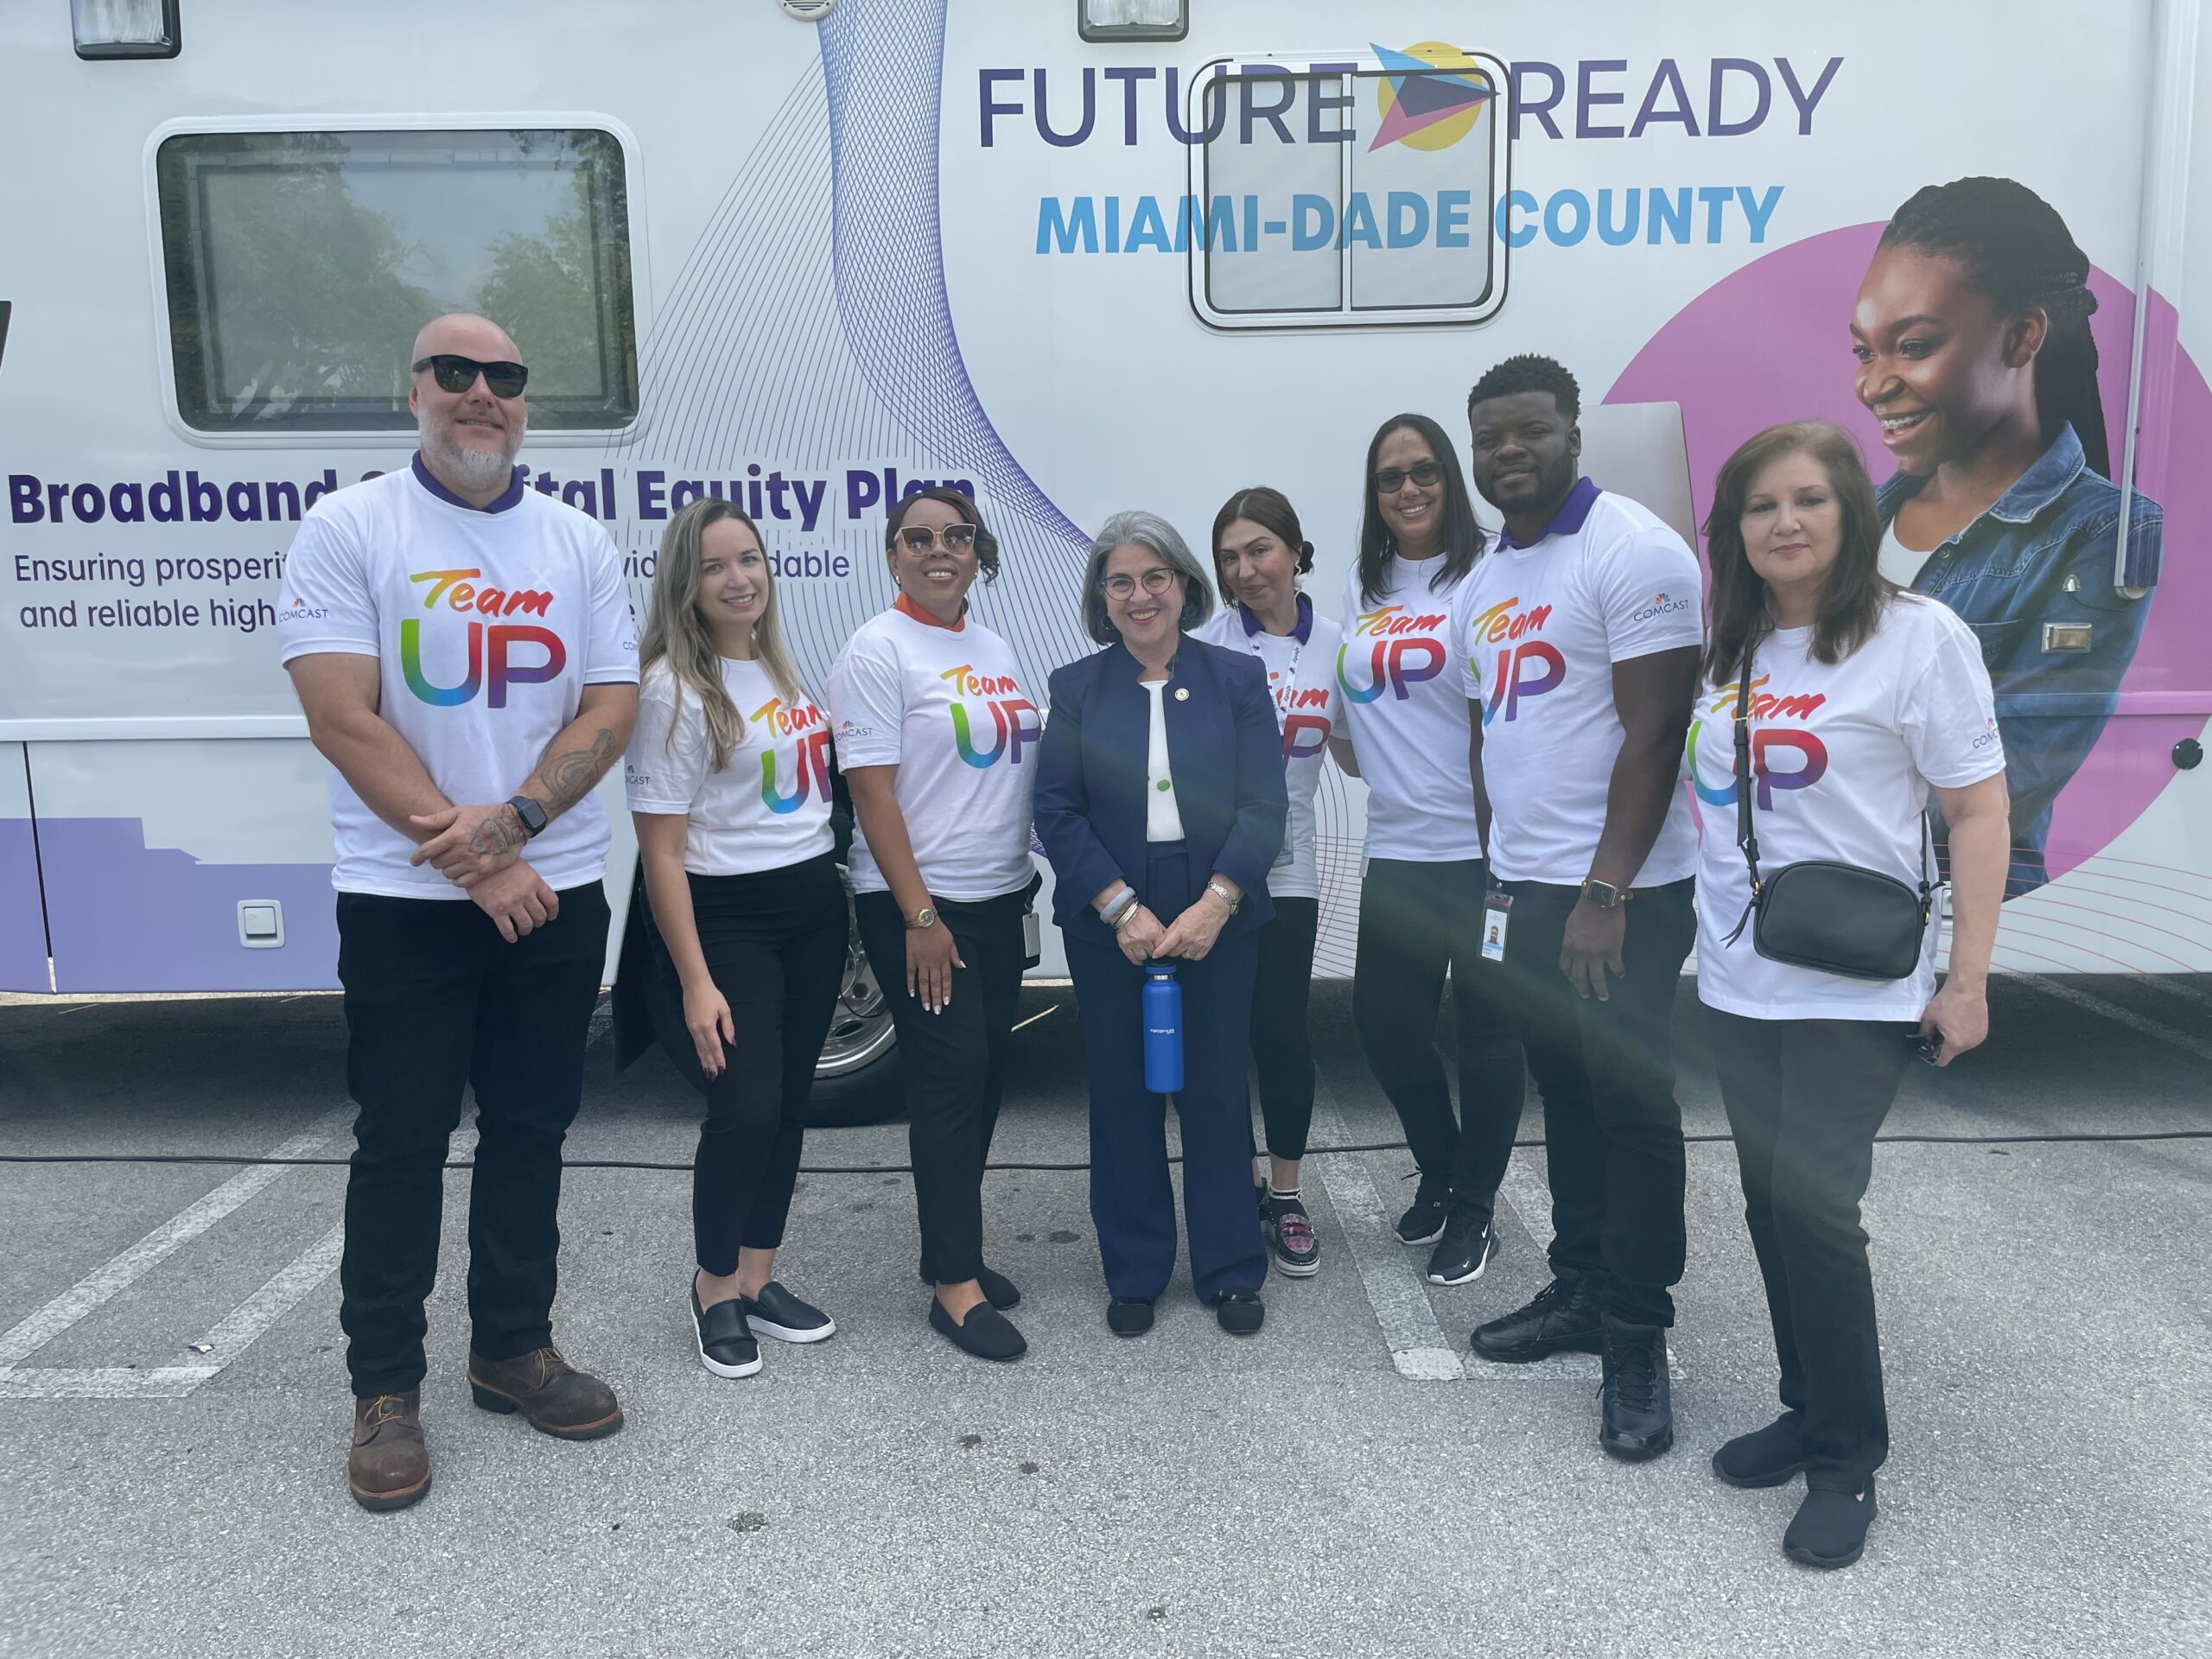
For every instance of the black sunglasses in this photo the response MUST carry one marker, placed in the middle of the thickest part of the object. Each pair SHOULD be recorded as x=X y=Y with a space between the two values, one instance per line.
x=1391 y=480
x=454 y=373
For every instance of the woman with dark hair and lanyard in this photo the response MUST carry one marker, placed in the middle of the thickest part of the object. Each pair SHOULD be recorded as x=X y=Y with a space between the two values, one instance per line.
x=1159 y=801
x=1259 y=553
x=729 y=779
x=1972 y=332
x=1421 y=896
x=1863 y=701
x=934 y=734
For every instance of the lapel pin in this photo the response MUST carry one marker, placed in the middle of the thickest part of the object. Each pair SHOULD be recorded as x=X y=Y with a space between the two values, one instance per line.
x=1182 y=693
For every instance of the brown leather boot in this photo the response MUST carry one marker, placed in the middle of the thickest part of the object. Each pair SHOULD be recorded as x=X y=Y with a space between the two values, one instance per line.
x=389 y=1467
x=553 y=1396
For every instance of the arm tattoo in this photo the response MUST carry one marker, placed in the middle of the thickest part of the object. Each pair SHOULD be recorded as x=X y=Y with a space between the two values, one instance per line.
x=498 y=834
x=569 y=776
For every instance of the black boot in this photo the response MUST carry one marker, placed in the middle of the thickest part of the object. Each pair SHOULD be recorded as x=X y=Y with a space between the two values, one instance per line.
x=1562 y=1319
x=1637 y=1415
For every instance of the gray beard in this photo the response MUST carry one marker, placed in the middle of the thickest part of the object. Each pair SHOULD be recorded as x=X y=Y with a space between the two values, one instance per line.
x=478 y=468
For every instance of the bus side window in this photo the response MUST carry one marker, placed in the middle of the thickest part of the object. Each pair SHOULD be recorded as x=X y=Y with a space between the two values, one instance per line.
x=297 y=265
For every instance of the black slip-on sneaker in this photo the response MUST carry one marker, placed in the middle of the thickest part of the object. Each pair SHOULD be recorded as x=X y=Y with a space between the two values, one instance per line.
x=776 y=1312
x=1128 y=1316
x=1423 y=1222
x=726 y=1345
x=1766 y=1457
x=1830 y=1527
x=986 y=1333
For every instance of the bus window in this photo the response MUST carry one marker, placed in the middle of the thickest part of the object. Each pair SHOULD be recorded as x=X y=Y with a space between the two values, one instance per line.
x=297 y=264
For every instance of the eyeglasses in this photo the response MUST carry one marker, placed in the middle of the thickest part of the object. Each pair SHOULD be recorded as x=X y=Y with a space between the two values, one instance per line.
x=1157 y=581
x=454 y=373
x=956 y=538
x=1391 y=480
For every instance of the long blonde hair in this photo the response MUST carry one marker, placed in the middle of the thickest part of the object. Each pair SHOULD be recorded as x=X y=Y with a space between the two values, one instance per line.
x=676 y=634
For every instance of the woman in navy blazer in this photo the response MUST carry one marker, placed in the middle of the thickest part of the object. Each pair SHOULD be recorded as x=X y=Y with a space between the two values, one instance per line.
x=1160 y=804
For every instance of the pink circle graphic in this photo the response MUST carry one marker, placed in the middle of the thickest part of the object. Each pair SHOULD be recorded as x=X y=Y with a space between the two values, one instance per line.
x=1772 y=343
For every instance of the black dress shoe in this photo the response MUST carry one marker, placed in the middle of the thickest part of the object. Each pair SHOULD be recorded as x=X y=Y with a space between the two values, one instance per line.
x=1830 y=1530
x=726 y=1344
x=1464 y=1250
x=1563 y=1319
x=776 y=1312
x=986 y=1333
x=1240 y=1311
x=1637 y=1415
x=1766 y=1457
x=1129 y=1316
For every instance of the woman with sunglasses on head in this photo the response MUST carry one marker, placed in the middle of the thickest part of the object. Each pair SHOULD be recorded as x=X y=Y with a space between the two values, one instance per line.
x=729 y=780
x=1160 y=804
x=1259 y=553
x=1864 y=702
x=1421 y=897
x=1972 y=332
x=935 y=737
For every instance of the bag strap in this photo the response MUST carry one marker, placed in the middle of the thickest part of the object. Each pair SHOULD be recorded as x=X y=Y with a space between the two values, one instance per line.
x=1747 y=837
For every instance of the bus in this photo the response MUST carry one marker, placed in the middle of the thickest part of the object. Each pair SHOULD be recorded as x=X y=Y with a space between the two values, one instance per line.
x=1068 y=255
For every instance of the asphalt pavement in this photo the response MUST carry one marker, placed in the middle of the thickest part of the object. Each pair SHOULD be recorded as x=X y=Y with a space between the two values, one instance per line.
x=174 y=1411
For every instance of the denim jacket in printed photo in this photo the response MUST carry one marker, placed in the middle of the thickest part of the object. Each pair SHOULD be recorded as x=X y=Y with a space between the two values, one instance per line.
x=2033 y=577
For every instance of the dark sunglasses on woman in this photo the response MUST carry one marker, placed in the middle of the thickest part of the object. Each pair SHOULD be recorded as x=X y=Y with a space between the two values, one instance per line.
x=454 y=373
x=1391 y=480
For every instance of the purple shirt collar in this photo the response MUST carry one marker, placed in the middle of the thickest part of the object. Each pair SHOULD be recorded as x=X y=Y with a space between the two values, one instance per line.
x=507 y=498
x=1303 y=633
x=1567 y=521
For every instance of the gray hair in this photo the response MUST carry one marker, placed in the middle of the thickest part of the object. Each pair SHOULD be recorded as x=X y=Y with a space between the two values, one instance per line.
x=1147 y=530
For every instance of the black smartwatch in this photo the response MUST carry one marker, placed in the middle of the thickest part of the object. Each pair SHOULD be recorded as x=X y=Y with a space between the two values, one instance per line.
x=531 y=814
x=1603 y=894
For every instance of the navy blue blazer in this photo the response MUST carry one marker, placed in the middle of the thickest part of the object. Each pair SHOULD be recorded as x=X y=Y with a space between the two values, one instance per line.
x=1223 y=749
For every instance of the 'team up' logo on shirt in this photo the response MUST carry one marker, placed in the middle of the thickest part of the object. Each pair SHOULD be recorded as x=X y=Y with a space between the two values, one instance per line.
x=489 y=644
x=1014 y=717
x=1810 y=754
x=1526 y=667
x=1407 y=649
x=804 y=720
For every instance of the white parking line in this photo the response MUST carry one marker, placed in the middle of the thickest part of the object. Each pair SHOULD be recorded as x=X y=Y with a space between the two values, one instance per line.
x=33 y=1332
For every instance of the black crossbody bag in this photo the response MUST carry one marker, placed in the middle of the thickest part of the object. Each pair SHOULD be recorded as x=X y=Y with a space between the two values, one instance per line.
x=1818 y=913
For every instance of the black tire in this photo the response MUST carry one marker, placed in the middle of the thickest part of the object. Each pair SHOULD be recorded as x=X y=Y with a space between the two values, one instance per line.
x=856 y=1081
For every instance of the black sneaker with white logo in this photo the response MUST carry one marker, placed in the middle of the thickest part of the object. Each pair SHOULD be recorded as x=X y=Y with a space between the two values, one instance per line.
x=776 y=1312
x=1464 y=1250
x=1423 y=1222
x=726 y=1347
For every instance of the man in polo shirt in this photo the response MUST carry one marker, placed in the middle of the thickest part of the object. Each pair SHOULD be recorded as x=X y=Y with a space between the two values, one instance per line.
x=1580 y=631
x=463 y=650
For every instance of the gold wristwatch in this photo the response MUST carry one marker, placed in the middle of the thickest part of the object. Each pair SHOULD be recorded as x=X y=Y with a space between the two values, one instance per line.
x=922 y=920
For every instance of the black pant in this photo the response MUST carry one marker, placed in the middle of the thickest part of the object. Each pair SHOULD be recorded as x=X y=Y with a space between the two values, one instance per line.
x=1417 y=922
x=1806 y=1098
x=952 y=1064
x=1613 y=1129
x=1282 y=1051
x=1132 y=1200
x=436 y=1002
x=774 y=942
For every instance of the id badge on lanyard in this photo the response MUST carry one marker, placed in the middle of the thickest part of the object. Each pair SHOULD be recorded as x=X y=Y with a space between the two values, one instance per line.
x=1498 y=916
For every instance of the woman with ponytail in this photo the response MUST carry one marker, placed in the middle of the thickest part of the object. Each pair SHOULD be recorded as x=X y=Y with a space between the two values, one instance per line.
x=1972 y=332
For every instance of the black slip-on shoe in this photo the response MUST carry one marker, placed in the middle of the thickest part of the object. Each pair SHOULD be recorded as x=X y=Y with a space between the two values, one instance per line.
x=776 y=1312
x=1636 y=1412
x=999 y=1291
x=1766 y=1457
x=1830 y=1527
x=986 y=1333
x=726 y=1346
x=1241 y=1312
x=1423 y=1222
x=1561 y=1318
x=1464 y=1252
x=1128 y=1316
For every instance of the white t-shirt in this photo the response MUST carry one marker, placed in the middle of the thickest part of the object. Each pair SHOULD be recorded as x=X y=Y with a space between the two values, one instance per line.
x=945 y=706
x=768 y=808
x=1406 y=716
x=1537 y=630
x=1309 y=709
x=487 y=625
x=1896 y=561
x=1163 y=818
x=1842 y=759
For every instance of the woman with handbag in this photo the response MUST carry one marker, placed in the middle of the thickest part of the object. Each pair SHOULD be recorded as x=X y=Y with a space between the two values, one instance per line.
x=1839 y=704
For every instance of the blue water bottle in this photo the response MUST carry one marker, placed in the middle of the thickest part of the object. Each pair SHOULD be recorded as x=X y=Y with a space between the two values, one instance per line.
x=1163 y=1029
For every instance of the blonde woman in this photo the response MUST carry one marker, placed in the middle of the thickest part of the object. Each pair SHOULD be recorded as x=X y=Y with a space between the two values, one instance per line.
x=729 y=777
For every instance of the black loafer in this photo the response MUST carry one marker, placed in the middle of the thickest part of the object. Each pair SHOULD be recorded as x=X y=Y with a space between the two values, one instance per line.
x=1830 y=1530
x=1129 y=1316
x=726 y=1345
x=776 y=1312
x=986 y=1333
x=999 y=1291
x=1240 y=1311
x=1766 y=1457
